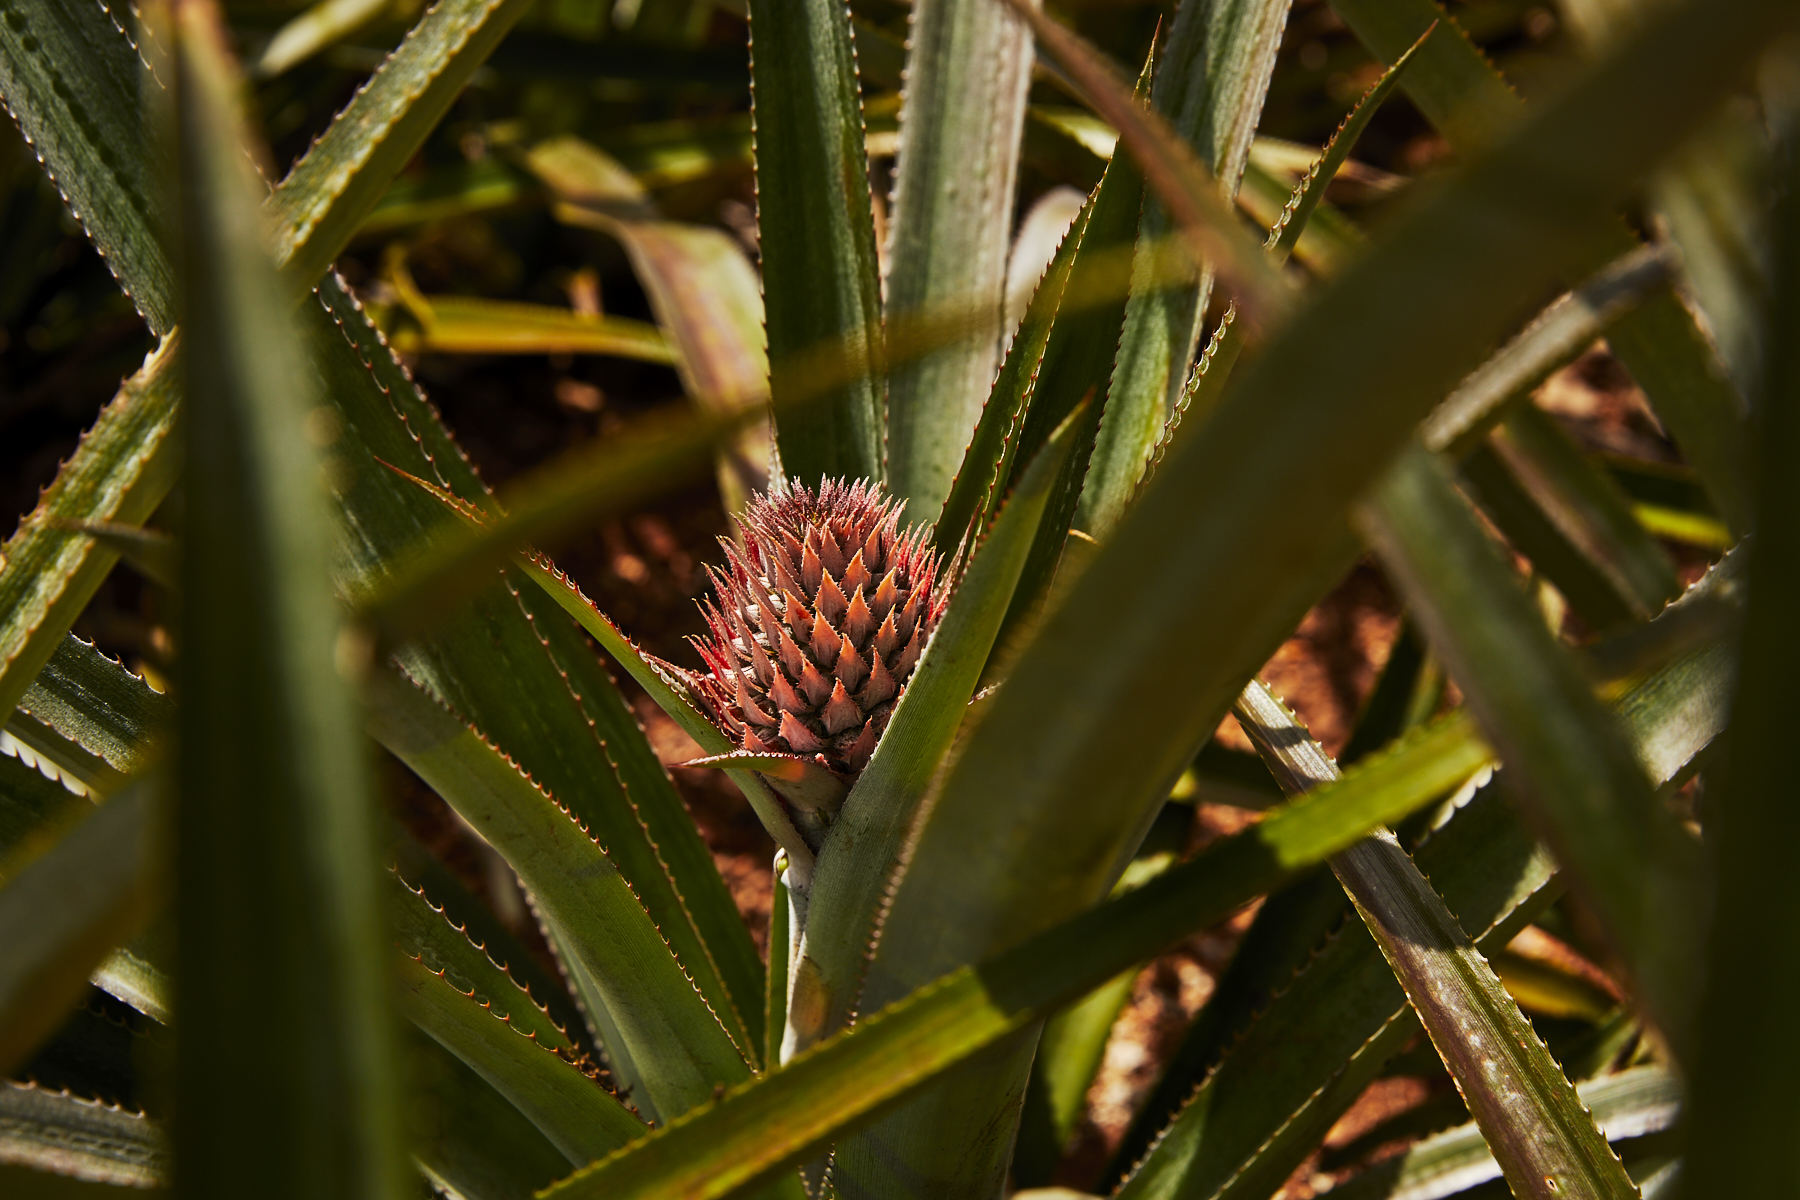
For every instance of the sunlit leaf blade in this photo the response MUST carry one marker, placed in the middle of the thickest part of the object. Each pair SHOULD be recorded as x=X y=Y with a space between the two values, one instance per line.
x=324 y=24
x=77 y=101
x=62 y=907
x=728 y=1146
x=471 y=325
x=1545 y=1141
x=574 y=1112
x=987 y=464
x=1214 y=74
x=1631 y=1104
x=860 y=852
x=702 y=289
x=316 y=209
x=1564 y=329
x=1745 y=1046
x=121 y=472
x=1239 y=532
x=57 y=1133
x=523 y=674
x=1170 y=169
x=1464 y=96
x=103 y=716
x=1077 y=362
x=1326 y=1036
x=264 y=710
x=968 y=68
x=652 y=1002
x=816 y=232
x=1572 y=768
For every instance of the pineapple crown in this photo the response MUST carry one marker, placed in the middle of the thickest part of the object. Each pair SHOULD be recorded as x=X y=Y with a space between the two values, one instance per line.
x=820 y=616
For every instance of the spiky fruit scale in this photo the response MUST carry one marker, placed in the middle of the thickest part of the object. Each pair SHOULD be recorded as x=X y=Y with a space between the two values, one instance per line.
x=820 y=617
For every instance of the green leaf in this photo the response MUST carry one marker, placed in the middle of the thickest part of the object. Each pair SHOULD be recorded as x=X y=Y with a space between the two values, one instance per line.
x=1073 y=1043
x=1588 y=508
x=987 y=465
x=1294 y=1070
x=523 y=674
x=817 y=234
x=76 y=99
x=1075 y=368
x=857 y=861
x=1206 y=383
x=424 y=875
x=1240 y=532
x=1633 y=1103
x=1531 y=532
x=758 y=1129
x=428 y=937
x=434 y=577
x=1463 y=95
x=467 y=1139
x=264 y=711
x=655 y=1003
x=151 y=552
x=1545 y=1140
x=68 y=1136
x=1319 y=1043
x=120 y=473
x=702 y=289
x=1214 y=75
x=323 y=25
x=1566 y=756
x=1563 y=330
x=63 y=906
x=1745 y=1048
x=968 y=68
x=317 y=208
x=102 y=717
x=1170 y=168
x=472 y=325
x=577 y=1115
x=668 y=694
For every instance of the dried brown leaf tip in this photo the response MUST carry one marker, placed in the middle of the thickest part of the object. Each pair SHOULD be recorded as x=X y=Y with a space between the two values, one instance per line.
x=820 y=616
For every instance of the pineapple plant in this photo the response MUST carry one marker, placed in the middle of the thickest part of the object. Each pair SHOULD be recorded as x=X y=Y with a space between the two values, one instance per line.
x=991 y=598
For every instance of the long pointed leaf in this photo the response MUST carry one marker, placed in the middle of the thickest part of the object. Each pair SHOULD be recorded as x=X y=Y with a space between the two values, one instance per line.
x=77 y=102
x=1211 y=85
x=1543 y=1137
x=262 y=700
x=62 y=908
x=1462 y=94
x=756 y=1130
x=816 y=231
x=121 y=472
x=968 y=69
x=1745 y=1049
x=1575 y=773
x=665 y=1027
x=1320 y=1043
x=316 y=209
x=65 y=1135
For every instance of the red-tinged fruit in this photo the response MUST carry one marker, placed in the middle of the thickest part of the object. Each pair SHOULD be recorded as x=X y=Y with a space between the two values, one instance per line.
x=821 y=613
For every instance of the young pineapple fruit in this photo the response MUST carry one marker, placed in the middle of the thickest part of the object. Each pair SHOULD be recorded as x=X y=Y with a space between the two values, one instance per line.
x=820 y=617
